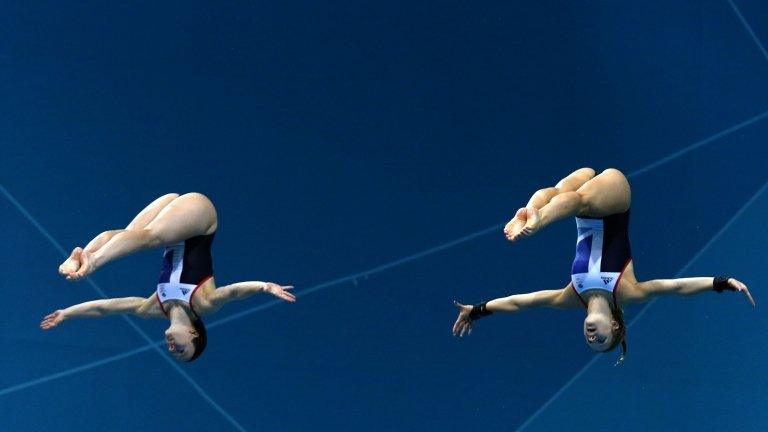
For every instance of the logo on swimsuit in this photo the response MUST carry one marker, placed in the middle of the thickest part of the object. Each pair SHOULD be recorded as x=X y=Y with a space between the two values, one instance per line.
x=184 y=291
x=606 y=279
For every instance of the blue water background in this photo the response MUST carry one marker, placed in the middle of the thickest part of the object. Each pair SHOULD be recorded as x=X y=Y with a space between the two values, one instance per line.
x=335 y=137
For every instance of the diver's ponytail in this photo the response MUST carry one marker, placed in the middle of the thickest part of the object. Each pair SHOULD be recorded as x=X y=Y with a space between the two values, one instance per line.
x=619 y=335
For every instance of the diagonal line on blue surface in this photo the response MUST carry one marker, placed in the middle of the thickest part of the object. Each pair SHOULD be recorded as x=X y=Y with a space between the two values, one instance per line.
x=698 y=144
x=138 y=330
x=749 y=28
x=642 y=311
x=74 y=370
x=363 y=274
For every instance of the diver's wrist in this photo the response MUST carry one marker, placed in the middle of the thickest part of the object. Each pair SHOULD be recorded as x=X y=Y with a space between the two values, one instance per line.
x=479 y=310
x=722 y=283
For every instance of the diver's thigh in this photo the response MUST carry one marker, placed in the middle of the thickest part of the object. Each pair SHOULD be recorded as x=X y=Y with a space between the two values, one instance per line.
x=187 y=216
x=606 y=194
x=151 y=211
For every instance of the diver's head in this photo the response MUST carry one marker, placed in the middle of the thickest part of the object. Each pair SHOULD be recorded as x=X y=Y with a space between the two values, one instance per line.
x=598 y=330
x=186 y=342
x=605 y=331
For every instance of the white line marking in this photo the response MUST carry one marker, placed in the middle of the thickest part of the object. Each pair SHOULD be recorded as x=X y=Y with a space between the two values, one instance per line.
x=749 y=29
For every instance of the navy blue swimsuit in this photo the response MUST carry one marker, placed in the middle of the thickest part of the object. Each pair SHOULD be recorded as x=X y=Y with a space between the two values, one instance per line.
x=186 y=266
x=602 y=253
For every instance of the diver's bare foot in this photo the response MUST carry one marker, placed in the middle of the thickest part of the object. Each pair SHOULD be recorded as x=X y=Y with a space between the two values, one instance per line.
x=524 y=224
x=71 y=264
x=87 y=266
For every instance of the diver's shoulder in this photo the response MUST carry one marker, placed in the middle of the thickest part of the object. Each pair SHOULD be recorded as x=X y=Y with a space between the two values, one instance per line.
x=202 y=299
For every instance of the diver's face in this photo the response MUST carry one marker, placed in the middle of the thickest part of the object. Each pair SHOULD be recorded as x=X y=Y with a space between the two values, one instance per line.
x=597 y=331
x=178 y=339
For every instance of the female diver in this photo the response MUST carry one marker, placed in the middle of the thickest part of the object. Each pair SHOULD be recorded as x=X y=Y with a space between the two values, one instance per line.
x=185 y=225
x=602 y=275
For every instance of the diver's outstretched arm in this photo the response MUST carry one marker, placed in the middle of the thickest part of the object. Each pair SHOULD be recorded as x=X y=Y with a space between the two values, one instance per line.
x=241 y=290
x=143 y=307
x=644 y=291
x=559 y=299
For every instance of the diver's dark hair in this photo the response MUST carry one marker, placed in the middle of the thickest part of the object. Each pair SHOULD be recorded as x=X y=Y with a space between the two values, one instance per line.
x=201 y=340
x=619 y=334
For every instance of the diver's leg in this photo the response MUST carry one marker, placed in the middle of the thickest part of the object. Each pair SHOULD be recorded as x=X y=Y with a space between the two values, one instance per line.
x=72 y=264
x=151 y=211
x=570 y=183
x=528 y=216
x=186 y=216
x=606 y=194
x=140 y=221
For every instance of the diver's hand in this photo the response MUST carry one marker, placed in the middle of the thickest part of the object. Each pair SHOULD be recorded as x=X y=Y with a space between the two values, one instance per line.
x=739 y=286
x=280 y=291
x=525 y=223
x=463 y=323
x=53 y=319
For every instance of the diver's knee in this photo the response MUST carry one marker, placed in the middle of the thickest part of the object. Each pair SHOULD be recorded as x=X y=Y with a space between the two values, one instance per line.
x=197 y=196
x=587 y=172
x=106 y=235
x=613 y=172
x=545 y=194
